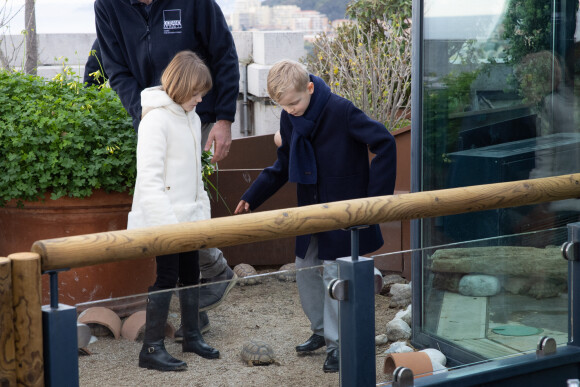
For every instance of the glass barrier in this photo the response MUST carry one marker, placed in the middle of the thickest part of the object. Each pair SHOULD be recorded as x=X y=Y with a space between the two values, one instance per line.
x=491 y=299
x=488 y=299
x=261 y=312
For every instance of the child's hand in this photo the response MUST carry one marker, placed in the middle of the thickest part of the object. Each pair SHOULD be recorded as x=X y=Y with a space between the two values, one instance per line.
x=243 y=207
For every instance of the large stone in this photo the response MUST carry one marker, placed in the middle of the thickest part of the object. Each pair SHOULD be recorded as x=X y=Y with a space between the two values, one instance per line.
x=389 y=280
x=397 y=329
x=400 y=295
x=478 y=285
x=399 y=347
x=405 y=315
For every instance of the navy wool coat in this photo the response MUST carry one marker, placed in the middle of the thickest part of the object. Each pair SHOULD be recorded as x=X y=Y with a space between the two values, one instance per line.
x=342 y=136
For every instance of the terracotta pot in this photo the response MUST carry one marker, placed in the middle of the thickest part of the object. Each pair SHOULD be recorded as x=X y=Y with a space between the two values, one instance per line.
x=418 y=362
x=47 y=219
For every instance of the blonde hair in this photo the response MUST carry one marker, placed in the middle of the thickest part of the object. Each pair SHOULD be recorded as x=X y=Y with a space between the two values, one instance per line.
x=185 y=76
x=287 y=75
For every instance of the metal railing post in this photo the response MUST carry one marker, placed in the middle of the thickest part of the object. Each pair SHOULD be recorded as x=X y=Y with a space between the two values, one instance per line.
x=355 y=291
x=571 y=252
x=60 y=340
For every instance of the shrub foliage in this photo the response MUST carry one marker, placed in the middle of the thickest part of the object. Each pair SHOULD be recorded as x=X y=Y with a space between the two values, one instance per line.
x=62 y=138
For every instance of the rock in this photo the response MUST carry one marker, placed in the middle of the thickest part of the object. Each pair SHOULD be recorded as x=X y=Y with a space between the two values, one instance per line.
x=397 y=330
x=389 y=280
x=399 y=347
x=435 y=356
x=381 y=339
x=400 y=295
x=405 y=315
x=438 y=368
x=478 y=285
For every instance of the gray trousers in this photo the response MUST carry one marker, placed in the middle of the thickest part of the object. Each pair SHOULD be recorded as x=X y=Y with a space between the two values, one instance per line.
x=211 y=261
x=321 y=310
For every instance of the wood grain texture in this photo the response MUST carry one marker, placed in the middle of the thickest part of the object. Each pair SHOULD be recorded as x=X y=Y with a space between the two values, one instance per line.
x=92 y=249
x=7 y=354
x=26 y=296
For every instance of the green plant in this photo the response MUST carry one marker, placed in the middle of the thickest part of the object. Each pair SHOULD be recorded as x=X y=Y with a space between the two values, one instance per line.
x=369 y=66
x=58 y=137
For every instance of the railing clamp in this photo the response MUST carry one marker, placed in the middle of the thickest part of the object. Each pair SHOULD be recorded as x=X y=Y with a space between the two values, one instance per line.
x=338 y=289
x=570 y=251
x=546 y=346
x=403 y=377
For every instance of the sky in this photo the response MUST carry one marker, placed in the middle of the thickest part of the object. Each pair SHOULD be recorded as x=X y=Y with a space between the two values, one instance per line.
x=56 y=16
x=77 y=16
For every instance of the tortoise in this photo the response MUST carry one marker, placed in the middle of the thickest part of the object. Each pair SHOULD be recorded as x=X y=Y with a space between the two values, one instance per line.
x=256 y=352
x=287 y=272
x=245 y=274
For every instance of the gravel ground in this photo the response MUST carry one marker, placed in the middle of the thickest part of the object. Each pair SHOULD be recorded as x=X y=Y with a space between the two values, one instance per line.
x=269 y=311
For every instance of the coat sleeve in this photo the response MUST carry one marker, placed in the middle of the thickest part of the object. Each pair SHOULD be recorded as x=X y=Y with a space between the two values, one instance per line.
x=381 y=143
x=271 y=179
x=151 y=159
x=120 y=78
x=222 y=59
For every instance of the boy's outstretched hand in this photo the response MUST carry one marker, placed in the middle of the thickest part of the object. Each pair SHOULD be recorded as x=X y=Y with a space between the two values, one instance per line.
x=243 y=207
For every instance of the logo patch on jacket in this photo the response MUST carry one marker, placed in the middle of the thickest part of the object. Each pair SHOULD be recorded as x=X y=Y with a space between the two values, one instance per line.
x=172 y=21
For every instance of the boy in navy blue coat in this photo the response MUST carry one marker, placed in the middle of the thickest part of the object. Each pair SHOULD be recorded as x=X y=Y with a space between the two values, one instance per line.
x=325 y=144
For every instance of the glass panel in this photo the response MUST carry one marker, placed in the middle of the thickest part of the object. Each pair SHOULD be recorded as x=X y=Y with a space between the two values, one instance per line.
x=492 y=298
x=265 y=307
x=500 y=103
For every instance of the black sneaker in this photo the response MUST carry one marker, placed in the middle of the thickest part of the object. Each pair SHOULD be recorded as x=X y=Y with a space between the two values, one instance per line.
x=312 y=344
x=212 y=294
x=332 y=362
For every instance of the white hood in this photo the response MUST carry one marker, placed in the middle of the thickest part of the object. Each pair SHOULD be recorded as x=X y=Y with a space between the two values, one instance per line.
x=155 y=97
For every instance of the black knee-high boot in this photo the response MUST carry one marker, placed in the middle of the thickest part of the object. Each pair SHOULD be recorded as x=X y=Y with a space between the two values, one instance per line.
x=192 y=337
x=153 y=354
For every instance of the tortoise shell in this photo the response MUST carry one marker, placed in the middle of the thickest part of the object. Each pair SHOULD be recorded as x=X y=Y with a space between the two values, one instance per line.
x=256 y=352
x=243 y=270
x=287 y=272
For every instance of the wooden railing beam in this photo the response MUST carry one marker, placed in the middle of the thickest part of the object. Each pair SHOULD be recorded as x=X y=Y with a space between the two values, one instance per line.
x=92 y=249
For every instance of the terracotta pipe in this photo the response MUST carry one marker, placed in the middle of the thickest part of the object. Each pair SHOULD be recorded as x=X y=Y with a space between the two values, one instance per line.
x=418 y=362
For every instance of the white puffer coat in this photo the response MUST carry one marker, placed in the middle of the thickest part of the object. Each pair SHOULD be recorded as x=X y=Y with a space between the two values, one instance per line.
x=169 y=187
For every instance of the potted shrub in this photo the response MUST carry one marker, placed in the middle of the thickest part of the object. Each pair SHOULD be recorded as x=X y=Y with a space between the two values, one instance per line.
x=68 y=168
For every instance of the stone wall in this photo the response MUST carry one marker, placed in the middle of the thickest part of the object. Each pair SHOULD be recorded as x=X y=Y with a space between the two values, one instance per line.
x=257 y=52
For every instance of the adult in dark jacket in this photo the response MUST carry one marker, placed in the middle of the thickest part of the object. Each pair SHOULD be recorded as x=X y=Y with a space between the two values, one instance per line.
x=325 y=145
x=137 y=39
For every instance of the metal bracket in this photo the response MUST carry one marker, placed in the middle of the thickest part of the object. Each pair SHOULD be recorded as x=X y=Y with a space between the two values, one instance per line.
x=570 y=251
x=338 y=289
x=403 y=377
x=546 y=346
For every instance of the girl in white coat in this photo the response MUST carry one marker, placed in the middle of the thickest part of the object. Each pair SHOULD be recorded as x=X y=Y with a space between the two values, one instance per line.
x=169 y=190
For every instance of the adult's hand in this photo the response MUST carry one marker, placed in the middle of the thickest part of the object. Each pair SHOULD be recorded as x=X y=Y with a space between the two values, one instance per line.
x=221 y=135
